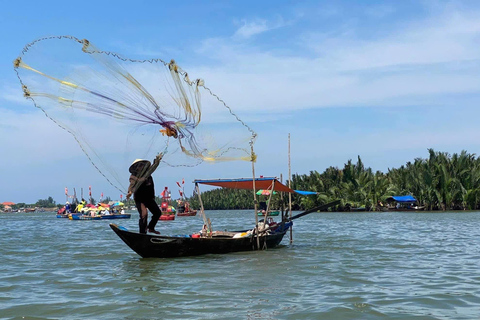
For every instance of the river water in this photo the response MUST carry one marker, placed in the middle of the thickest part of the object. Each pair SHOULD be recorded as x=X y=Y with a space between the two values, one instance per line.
x=340 y=266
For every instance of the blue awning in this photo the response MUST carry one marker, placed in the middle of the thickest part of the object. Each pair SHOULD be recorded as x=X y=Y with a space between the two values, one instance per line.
x=402 y=199
x=305 y=193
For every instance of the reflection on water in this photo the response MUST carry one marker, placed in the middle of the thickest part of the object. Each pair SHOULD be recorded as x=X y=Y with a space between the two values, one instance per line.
x=340 y=266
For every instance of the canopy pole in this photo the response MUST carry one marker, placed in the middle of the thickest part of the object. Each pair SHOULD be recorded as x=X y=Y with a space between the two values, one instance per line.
x=202 y=210
x=282 y=200
x=269 y=201
x=290 y=186
x=255 y=202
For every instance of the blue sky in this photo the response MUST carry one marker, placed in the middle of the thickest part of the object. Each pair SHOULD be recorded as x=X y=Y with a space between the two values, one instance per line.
x=385 y=80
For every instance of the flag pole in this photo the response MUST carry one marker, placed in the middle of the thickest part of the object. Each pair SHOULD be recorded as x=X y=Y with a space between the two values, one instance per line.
x=290 y=186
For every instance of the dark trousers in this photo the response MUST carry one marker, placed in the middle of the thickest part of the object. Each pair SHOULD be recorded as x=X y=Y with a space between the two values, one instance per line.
x=143 y=206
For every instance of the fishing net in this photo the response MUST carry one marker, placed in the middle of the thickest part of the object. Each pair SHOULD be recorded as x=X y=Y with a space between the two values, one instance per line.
x=120 y=109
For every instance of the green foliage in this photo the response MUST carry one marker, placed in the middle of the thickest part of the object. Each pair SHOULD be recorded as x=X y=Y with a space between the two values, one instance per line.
x=224 y=199
x=46 y=203
x=441 y=182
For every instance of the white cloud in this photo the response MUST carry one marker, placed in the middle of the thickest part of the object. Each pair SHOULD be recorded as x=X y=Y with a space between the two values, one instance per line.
x=14 y=94
x=426 y=58
x=250 y=29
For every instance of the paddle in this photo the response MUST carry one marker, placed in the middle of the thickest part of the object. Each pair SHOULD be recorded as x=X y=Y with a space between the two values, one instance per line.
x=322 y=207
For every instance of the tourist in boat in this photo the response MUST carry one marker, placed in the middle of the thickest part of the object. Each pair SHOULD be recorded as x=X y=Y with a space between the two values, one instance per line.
x=67 y=207
x=80 y=206
x=143 y=190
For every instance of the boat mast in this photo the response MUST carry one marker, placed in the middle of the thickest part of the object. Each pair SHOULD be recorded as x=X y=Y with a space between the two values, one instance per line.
x=255 y=202
x=290 y=186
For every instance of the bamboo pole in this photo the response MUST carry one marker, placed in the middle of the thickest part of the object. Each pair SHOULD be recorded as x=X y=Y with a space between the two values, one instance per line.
x=202 y=210
x=255 y=202
x=269 y=202
x=282 y=209
x=290 y=186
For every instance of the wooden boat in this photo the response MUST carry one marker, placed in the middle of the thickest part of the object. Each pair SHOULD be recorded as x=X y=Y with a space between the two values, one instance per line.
x=187 y=213
x=403 y=203
x=157 y=246
x=98 y=216
x=261 y=236
x=165 y=216
x=183 y=206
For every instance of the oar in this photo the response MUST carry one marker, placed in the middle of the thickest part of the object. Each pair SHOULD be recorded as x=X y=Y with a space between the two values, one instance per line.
x=319 y=208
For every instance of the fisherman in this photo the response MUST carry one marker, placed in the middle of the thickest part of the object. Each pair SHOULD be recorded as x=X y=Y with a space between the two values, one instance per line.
x=143 y=190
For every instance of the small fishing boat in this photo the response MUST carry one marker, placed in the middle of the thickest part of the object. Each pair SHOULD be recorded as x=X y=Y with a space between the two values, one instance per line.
x=183 y=206
x=403 y=203
x=157 y=246
x=264 y=235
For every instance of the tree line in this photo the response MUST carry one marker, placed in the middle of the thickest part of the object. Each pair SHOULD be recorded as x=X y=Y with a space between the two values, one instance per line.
x=439 y=182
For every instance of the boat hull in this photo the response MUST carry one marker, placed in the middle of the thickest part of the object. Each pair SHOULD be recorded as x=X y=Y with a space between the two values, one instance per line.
x=157 y=246
x=99 y=217
x=167 y=217
x=187 y=213
x=270 y=214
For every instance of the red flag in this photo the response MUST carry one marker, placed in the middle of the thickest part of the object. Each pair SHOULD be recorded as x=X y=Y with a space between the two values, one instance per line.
x=163 y=194
x=121 y=196
x=178 y=184
x=66 y=191
x=90 y=191
x=183 y=180
x=181 y=193
x=101 y=196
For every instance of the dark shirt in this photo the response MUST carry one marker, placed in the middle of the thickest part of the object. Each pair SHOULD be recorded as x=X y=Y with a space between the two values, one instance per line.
x=145 y=191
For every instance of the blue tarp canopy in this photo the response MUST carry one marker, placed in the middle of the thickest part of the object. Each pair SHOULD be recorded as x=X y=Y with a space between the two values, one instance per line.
x=402 y=199
x=305 y=193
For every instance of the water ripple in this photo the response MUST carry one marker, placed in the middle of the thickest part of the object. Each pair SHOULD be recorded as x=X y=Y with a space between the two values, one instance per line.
x=339 y=266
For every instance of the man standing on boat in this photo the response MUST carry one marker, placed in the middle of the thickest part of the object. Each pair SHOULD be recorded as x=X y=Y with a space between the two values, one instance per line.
x=143 y=190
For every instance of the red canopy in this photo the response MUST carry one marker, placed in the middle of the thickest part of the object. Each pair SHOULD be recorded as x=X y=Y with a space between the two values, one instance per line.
x=8 y=203
x=247 y=183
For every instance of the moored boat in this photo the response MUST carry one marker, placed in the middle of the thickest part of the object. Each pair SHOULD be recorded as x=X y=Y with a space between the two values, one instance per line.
x=403 y=203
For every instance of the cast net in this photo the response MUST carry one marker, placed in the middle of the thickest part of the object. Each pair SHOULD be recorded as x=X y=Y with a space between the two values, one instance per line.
x=119 y=109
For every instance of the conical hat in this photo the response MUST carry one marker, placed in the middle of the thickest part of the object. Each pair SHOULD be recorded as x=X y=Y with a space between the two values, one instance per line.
x=137 y=161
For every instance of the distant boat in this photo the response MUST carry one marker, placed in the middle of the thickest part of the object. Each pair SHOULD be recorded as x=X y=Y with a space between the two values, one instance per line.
x=99 y=217
x=403 y=203
x=189 y=213
x=183 y=206
x=270 y=214
x=167 y=216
